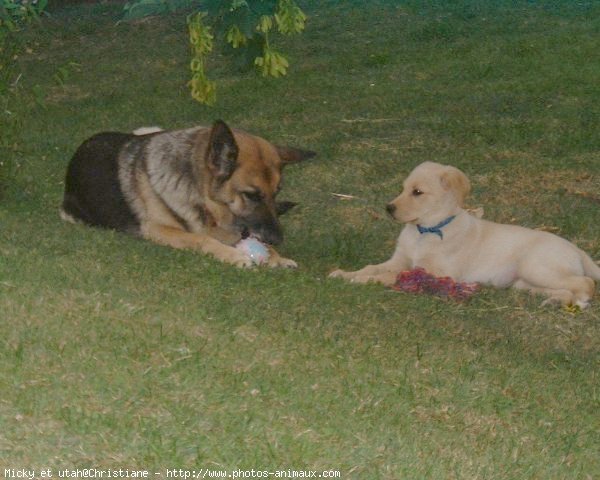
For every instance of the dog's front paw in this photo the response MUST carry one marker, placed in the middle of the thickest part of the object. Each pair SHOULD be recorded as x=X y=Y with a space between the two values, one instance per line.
x=277 y=261
x=341 y=274
x=281 y=262
x=235 y=257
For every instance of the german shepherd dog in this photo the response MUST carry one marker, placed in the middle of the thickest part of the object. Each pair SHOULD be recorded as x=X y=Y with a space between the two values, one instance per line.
x=202 y=188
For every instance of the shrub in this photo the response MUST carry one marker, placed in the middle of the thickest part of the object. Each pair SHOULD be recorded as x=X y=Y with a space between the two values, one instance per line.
x=245 y=27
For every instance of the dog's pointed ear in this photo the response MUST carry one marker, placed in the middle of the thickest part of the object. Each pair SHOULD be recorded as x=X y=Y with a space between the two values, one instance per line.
x=293 y=155
x=284 y=206
x=222 y=151
x=455 y=180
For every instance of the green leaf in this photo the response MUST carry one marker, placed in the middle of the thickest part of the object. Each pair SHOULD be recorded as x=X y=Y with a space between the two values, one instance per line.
x=262 y=7
x=245 y=19
x=243 y=58
x=145 y=8
x=215 y=8
x=41 y=6
x=235 y=4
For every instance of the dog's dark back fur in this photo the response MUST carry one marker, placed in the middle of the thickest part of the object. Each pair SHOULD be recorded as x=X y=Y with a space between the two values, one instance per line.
x=92 y=189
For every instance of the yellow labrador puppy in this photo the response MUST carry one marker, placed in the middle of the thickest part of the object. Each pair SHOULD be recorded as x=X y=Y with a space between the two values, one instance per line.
x=446 y=240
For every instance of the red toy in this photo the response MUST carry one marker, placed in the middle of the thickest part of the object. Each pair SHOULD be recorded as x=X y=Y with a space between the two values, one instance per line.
x=419 y=281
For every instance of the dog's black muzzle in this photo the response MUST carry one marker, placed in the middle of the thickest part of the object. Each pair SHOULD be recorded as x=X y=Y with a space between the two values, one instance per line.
x=264 y=226
x=266 y=234
x=270 y=236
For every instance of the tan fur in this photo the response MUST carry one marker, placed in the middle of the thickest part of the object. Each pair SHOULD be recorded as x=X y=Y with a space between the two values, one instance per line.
x=178 y=238
x=147 y=130
x=476 y=250
x=66 y=217
x=201 y=188
x=259 y=167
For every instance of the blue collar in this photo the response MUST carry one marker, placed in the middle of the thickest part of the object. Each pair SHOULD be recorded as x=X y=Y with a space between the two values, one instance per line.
x=437 y=229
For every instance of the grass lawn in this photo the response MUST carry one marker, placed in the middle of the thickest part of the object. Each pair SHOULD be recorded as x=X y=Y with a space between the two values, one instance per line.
x=118 y=353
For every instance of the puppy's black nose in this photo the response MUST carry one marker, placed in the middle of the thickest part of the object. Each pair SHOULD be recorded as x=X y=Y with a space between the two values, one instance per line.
x=390 y=208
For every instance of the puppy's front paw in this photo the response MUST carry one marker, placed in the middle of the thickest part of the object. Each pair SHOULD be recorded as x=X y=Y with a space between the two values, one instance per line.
x=386 y=278
x=341 y=274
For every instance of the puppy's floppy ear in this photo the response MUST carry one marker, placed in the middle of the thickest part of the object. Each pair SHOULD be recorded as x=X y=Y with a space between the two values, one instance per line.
x=476 y=212
x=222 y=151
x=455 y=180
x=293 y=155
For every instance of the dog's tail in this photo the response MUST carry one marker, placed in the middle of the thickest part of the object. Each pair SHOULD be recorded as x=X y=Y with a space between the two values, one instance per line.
x=147 y=130
x=590 y=267
x=67 y=217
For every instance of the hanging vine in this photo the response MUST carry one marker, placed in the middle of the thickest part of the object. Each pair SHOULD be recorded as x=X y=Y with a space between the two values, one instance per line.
x=248 y=27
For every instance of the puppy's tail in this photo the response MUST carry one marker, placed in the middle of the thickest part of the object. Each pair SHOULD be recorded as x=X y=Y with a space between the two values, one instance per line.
x=590 y=268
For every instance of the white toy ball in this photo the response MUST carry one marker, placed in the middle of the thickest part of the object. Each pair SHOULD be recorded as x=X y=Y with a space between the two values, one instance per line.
x=255 y=249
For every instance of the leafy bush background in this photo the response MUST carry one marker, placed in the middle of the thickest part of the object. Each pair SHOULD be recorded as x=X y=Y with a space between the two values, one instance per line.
x=244 y=27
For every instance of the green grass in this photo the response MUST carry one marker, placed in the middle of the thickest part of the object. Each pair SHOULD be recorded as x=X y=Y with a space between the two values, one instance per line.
x=119 y=353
